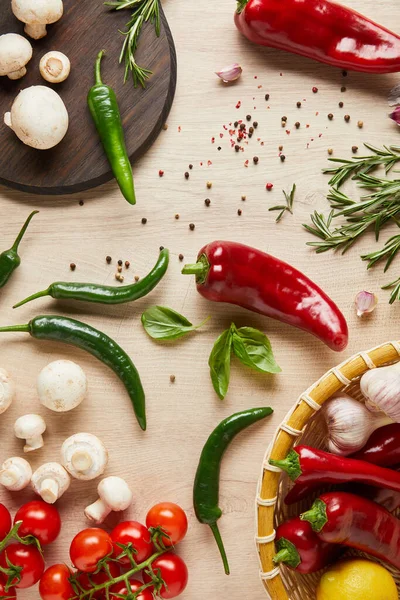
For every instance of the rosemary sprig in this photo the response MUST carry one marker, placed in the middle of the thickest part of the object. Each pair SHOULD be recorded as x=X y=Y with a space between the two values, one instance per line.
x=388 y=253
x=387 y=157
x=142 y=12
x=288 y=207
x=395 y=287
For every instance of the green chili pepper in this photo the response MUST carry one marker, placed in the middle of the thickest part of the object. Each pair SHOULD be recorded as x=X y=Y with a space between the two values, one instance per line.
x=97 y=343
x=103 y=105
x=9 y=259
x=106 y=294
x=206 y=485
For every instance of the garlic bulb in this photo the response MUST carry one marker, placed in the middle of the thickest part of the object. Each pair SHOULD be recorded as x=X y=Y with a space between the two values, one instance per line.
x=349 y=424
x=381 y=387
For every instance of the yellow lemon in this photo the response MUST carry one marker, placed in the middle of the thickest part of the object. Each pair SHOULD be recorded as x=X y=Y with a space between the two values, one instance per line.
x=357 y=579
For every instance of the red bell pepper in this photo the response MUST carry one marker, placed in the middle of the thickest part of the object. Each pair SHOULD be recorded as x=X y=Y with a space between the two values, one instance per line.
x=321 y=30
x=241 y=275
x=309 y=465
x=350 y=520
x=382 y=448
x=300 y=548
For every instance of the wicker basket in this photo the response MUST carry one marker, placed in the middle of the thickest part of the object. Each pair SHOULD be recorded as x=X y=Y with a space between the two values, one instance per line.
x=302 y=423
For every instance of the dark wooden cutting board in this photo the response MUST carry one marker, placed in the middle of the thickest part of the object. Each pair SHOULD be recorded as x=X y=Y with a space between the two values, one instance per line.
x=78 y=163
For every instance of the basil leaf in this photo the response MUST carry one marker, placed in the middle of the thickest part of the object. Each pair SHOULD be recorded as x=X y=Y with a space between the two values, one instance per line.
x=254 y=350
x=162 y=323
x=220 y=363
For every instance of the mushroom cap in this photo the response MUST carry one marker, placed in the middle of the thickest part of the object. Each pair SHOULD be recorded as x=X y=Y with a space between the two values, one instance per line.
x=51 y=470
x=38 y=12
x=39 y=117
x=55 y=67
x=61 y=385
x=29 y=426
x=7 y=390
x=15 y=473
x=83 y=445
x=15 y=53
x=115 y=493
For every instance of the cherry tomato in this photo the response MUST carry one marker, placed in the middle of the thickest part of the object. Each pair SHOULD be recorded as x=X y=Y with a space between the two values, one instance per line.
x=55 y=584
x=5 y=521
x=88 y=547
x=11 y=593
x=27 y=557
x=39 y=519
x=98 y=579
x=132 y=532
x=171 y=518
x=135 y=585
x=173 y=571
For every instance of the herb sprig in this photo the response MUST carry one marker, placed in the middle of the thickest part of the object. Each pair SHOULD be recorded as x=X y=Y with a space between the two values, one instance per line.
x=288 y=207
x=142 y=12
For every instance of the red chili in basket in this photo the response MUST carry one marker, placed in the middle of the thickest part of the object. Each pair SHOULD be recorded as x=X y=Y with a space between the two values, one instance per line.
x=350 y=520
x=241 y=275
x=300 y=548
x=310 y=465
x=321 y=30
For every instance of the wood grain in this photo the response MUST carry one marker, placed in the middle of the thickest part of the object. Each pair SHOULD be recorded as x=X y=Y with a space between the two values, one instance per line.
x=78 y=162
x=161 y=464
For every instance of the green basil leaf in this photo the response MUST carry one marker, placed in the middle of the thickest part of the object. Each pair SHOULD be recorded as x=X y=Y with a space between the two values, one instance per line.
x=220 y=363
x=254 y=350
x=162 y=323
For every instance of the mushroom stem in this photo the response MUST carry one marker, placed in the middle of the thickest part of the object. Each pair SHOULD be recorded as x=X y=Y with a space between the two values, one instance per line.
x=97 y=512
x=36 y=31
x=49 y=490
x=17 y=74
x=81 y=461
x=34 y=443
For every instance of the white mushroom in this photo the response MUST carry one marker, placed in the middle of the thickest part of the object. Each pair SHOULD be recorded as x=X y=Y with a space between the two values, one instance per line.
x=38 y=117
x=30 y=428
x=55 y=67
x=61 y=385
x=7 y=390
x=50 y=481
x=15 y=474
x=84 y=456
x=115 y=495
x=15 y=53
x=36 y=14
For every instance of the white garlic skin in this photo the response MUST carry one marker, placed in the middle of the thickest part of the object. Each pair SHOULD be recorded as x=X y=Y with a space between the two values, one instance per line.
x=349 y=424
x=381 y=388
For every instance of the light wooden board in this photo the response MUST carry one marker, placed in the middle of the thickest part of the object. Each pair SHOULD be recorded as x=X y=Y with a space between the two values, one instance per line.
x=160 y=465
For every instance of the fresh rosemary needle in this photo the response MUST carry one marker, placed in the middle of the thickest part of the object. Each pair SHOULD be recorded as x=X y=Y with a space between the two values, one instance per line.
x=288 y=207
x=142 y=12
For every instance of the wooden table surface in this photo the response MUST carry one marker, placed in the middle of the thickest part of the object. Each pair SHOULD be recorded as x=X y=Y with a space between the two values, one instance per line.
x=160 y=465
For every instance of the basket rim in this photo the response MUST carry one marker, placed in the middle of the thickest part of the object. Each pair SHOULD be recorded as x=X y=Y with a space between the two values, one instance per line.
x=293 y=425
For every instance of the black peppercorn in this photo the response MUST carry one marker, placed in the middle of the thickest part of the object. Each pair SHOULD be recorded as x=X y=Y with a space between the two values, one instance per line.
x=187 y=175
x=190 y=166
x=207 y=201
x=282 y=157
x=341 y=104
x=72 y=266
x=255 y=159
x=144 y=221
x=330 y=116
x=297 y=124
x=191 y=226
x=248 y=117
x=236 y=124
x=347 y=118
x=255 y=124
x=120 y=262
x=298 y=104
x=237 y=147
x=108 y=259
x=267 y=97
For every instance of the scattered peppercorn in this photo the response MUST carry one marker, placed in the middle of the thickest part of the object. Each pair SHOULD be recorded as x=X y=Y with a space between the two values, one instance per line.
x=251 y=130
x=255 y=160
x=207 y=201
x=181 y=257
x=347 y=118
x=108 y=259
x=119 y=269
x=284 y=118
x=72 y=266
x=177 y=216
x=248 y=117
x=239 y=212
x=120 y=262
x=255 y=124
x=81 y=203
x=187 y=175
x=354 y=149
x=127 y=264
x=191 y=226
x=242 y=126
x=341 y=104
x=209 y=185
x=237 y=148
x=172 y=378
x=190 y=166
x=282 y=157
x=360 y=124
x=161 y=173
x=243 y=198
x=280 y=148
x=344 y=73
x=330 y=151
x=219 y=148
x=137 y=278
x=330 y=116
x=119 y=277
x=297 y=124
x=283 y=123
x=165 y=126
x=236 y=124
x=343 y=88
x=315 y=90
x=267 y=97
x=298 y=104
x=161 y=248
x=269 y=186
x=144 y=221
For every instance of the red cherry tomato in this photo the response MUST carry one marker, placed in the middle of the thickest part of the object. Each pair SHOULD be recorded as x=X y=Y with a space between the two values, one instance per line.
x=88 y=547
x=27 y=557
x=136 y=534
x=171 y=518
x=11 y=594
x=39 y=519
x=98 y=579
x=173 y=571
x=135 y=585
x=5 y=521
x=55 y=584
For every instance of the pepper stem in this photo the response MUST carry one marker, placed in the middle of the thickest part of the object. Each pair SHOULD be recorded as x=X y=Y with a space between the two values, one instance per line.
x=290 y=464
x=200 y=269
x=25 y=328
x=241 y=5
x=221 y=548
x=287 y=553
x=97 y=68
x=23 y=230
x=316 y=516
x=33 y=297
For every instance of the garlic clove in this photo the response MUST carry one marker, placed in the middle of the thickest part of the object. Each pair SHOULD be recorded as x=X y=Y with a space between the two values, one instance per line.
x=230 y=73
x=394 y=96
x=395 y=115
x=365 y=303
x=381 y=388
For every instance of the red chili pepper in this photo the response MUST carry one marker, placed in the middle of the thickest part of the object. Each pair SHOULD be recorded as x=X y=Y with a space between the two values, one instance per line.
x=382 y=448
x=241 y=275
x=309 y=465
x=321 y=30
x=300 y=548
x=350 y=520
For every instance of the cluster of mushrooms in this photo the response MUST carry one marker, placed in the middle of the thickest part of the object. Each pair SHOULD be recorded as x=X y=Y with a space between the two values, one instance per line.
x=38 y=115
x=61 y=386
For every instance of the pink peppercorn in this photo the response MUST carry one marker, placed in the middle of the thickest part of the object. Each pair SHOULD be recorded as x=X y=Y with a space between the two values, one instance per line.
x=269 y=186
